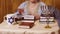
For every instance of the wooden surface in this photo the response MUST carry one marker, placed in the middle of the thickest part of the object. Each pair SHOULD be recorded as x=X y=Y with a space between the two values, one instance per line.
x=8 y=6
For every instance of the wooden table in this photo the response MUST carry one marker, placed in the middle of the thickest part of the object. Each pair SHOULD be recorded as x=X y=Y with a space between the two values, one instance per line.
x=37 y=29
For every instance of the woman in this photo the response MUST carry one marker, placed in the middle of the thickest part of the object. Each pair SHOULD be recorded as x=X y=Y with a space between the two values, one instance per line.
x=35 y=8
x=32 y=7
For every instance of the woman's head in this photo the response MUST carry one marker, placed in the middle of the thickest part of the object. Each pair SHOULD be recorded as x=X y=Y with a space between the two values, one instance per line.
x=34 y=0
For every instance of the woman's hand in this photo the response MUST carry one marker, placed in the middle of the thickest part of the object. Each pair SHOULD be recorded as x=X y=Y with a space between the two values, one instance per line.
x=21 y=11
x=37 y=16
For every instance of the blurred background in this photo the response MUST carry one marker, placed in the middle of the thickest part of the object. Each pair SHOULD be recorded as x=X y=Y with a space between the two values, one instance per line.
x=10 y=6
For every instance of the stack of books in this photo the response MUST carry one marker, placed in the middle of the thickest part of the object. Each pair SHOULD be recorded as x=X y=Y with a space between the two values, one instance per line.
x=27 y=22
x=47 y=19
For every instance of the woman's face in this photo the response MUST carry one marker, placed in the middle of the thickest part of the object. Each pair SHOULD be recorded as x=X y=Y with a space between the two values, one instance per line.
x=33 y=0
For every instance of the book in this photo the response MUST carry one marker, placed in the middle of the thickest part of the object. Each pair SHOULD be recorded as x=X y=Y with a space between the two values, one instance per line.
x=45 y=19
x=27 y=22
x=26 y=25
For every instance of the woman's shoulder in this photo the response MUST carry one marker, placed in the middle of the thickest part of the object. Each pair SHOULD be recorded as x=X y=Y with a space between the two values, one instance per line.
x=42 y=4
x=22 y=5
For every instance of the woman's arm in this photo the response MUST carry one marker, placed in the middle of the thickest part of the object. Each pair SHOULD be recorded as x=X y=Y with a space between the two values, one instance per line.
x=21 y=11
x=20 y=8
x=43 y=6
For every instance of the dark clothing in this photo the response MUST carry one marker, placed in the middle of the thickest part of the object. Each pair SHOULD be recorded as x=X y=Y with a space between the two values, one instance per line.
x=56 y=14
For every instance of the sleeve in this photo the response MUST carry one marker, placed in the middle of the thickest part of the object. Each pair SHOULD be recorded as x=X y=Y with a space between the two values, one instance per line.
x=43 y=7
x=16 y=13
x=42 y=4
x=21 y=6
x=57 y=16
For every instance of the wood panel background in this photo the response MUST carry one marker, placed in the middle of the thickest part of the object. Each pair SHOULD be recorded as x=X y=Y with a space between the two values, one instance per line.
x=10 y=6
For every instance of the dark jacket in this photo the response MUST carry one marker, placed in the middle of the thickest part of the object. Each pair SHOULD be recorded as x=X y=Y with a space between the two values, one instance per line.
x=56 y=13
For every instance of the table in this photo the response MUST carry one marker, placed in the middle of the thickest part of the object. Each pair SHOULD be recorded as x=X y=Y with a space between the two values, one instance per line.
x=37 y=29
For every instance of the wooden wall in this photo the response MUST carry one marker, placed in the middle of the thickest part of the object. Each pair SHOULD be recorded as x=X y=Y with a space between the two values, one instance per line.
x=10 y=6
x=57 y=3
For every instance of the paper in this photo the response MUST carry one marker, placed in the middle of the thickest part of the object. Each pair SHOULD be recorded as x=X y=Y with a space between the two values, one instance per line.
x=28 y=21
x=28 y=17
x=45 y=19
